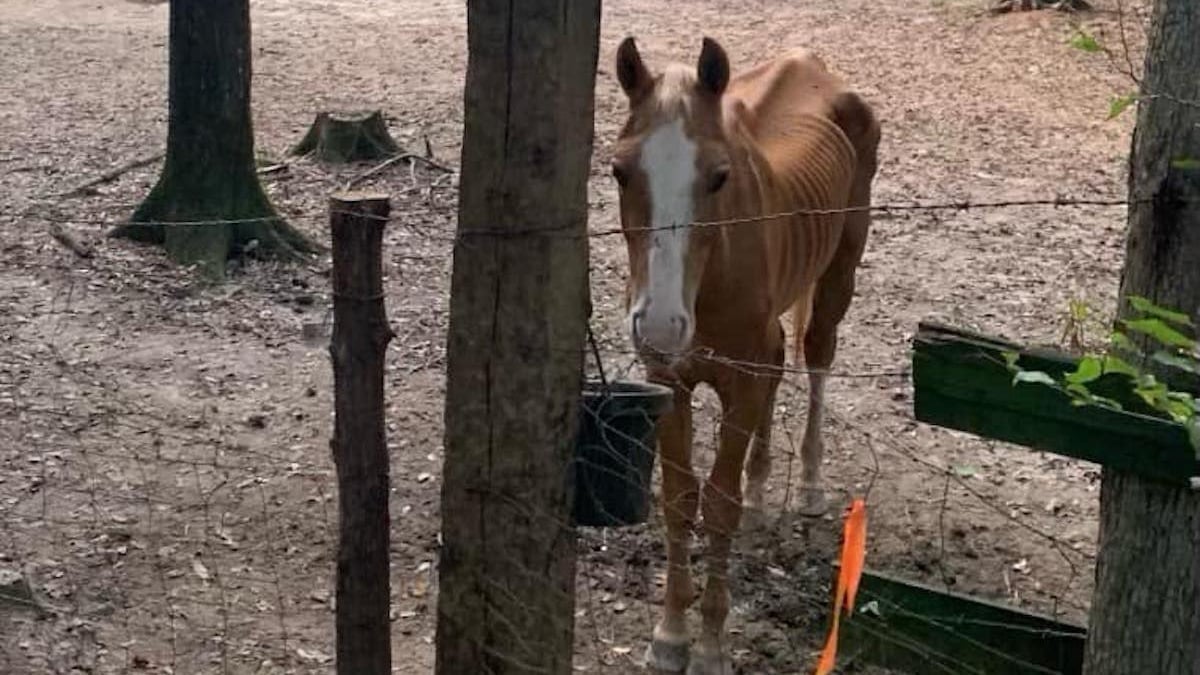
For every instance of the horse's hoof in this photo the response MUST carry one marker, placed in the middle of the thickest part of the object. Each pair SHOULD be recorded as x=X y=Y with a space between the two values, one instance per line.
x=812 y=502
x=667 y=658
x=706 y=662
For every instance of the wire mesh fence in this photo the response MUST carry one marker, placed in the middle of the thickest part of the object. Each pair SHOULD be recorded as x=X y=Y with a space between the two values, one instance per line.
x=165 y=506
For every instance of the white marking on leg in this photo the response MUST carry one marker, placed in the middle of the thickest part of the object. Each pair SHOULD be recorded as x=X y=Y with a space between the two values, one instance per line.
x=812 y=493
x=668 y=158
x=757 y=472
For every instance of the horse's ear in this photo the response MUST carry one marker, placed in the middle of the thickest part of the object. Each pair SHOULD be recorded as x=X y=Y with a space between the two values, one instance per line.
x=632 y=73
x=712 y=70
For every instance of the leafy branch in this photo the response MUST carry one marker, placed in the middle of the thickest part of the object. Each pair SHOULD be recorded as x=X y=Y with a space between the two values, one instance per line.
x=1162 y=330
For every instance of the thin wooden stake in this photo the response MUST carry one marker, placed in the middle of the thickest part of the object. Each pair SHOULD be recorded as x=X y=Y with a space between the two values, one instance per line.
x=358 y=348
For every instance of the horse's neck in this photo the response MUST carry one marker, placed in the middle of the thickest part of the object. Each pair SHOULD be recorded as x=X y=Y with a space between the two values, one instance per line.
x=751 y=193
x=747 y=197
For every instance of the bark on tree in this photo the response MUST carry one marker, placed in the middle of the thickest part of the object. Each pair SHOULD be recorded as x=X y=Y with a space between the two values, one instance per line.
x=1145 y=615
x=209 y=172
x=516 y=342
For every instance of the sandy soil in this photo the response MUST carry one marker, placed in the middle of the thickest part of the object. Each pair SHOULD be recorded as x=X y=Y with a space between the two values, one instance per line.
x=165 y=479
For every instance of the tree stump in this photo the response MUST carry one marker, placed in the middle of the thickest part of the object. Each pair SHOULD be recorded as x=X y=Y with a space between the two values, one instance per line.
x=347 y=137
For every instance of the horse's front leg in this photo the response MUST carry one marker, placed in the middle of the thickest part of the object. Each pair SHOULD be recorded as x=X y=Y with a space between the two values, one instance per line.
x=668 y=652
x=743 y=400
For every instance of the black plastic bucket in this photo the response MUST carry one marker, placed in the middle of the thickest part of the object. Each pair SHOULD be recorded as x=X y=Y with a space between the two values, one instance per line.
x=614 y=451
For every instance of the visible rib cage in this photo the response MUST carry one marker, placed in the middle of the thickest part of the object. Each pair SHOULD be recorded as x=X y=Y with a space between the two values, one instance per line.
x=805 y=163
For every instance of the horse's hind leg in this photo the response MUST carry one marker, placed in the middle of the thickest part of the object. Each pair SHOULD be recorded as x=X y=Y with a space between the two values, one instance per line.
x=832 y=299
x=834 y=290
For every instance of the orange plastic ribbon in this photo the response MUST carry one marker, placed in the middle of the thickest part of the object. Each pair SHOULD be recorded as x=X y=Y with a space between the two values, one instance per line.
x=854 y=554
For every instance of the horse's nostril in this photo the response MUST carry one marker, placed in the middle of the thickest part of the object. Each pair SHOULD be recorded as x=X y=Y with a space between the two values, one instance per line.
x=637 y=323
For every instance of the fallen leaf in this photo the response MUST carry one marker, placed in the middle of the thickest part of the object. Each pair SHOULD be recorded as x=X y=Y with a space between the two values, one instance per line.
x=312 y=655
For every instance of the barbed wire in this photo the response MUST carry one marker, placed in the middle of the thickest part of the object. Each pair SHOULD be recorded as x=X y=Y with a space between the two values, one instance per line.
x=567 y=231
x=168 y=501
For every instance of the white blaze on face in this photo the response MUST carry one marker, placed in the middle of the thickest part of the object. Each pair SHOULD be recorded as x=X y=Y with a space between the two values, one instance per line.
x=662 y=315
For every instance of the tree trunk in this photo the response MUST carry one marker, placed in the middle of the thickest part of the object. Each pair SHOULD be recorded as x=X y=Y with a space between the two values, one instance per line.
x=209 y=172
x=1145 y=614
x=516 y=342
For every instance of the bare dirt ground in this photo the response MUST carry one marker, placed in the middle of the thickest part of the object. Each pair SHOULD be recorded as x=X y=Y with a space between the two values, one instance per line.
x=165 y=479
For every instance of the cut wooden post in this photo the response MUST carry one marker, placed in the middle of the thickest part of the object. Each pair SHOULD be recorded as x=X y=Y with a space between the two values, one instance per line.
x=358 y=348
x=518 y=317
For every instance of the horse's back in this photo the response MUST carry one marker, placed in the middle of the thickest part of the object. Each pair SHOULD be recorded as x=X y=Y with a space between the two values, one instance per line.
x=793 y=106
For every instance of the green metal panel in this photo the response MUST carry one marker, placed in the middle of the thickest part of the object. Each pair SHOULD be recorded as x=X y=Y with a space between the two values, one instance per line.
x=914 y=628
x=961 y=382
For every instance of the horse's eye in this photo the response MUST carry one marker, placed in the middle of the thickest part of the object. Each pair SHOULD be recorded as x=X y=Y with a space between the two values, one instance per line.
x=620 y=174
x=717 y=180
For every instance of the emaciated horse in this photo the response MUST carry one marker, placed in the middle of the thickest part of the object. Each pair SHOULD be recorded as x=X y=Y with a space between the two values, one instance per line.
x=741 y=200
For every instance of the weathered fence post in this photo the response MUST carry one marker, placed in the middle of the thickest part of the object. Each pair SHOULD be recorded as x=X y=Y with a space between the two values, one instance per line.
x=358 y=347
x=518 y=315
x=1145 y=615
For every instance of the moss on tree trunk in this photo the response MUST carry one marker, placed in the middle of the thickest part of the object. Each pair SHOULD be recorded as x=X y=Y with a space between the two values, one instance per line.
x=208 y=202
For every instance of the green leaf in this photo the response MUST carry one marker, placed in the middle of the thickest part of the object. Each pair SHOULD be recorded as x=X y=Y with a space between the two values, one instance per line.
x=1147 y=307
x=1089 y=368
x=1160 y=331
x=1184 y=363
x=1116 y=364
x=1107 y=402
x=1182 y=411
x=1080 y=391
x=1085 y=42
x=1121 y=342
x=1119 y=104
x=966 y=471
x=1010 y=359
x=1185 y=163
x=1079 y=310
x=1035 y=376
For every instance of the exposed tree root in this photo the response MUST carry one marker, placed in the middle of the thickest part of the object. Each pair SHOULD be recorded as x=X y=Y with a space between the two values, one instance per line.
x=1004 y=6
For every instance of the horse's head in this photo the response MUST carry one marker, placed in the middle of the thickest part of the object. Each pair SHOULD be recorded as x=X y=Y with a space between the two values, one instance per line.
x=671 y=161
